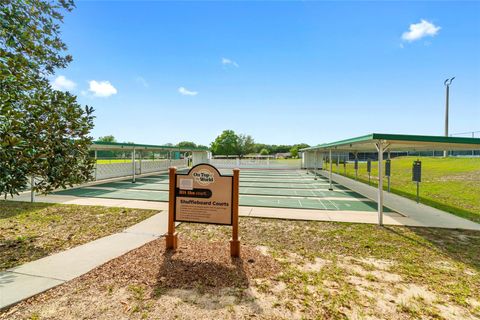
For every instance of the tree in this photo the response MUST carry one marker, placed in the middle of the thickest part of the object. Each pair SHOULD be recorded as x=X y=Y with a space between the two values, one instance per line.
x=109 y=138
x=296 y=147
x=264 y=152
x=225 y=144
x=302 y=145
x=108 y=154
x=44 y=133
x=294 y=151
x=245 y=145
x=186 y=144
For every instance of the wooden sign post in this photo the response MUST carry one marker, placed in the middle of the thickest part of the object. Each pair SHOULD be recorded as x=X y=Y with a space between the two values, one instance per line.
x=203 y=195
x=171 y=237
x=235 y=242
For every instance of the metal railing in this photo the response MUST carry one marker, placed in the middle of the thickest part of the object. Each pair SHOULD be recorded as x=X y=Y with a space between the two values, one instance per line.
x=256 y=163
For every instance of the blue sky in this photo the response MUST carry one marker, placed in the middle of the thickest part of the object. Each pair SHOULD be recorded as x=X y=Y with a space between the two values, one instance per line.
x=283 y=72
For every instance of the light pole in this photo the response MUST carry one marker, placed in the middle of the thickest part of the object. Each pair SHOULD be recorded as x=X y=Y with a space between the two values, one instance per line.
x=447 y=84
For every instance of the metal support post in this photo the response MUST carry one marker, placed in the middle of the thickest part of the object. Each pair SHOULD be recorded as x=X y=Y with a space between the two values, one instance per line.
x=380 y=182
x=418 y=192
x=330 y=176
x=356 y=165
x=447 y=84
x=96 y=160
x=338 y=163
x=133 y=166
x=389 y=174
x=140 y=162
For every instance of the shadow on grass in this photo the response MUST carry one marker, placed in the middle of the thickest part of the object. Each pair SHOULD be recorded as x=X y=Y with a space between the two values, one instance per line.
x=460 y=245
x=18 y=251
x=470 y=215
x=206 y=284
x=10 y=209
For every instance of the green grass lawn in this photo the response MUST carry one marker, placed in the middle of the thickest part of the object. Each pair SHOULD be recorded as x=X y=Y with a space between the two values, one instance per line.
x=30 y=231
x=287 y=270
x=450 y=184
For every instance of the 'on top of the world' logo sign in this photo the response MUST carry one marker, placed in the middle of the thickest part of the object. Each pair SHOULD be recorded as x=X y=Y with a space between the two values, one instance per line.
x=204 y=177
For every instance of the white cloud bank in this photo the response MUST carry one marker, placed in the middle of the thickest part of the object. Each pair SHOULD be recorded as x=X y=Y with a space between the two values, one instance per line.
x=420 y=30
x=185 y=92
x=226 y=62
x=62 y=83
x=101 y=88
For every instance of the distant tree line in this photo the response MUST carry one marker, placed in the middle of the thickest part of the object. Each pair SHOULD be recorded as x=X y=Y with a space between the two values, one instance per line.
x=145 y=154
x=229 y=143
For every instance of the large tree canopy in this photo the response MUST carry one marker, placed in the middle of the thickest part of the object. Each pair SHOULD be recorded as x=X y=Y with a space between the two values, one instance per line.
x=245 y=144
x=186 y=144
x=225 y=144
x=44 y=133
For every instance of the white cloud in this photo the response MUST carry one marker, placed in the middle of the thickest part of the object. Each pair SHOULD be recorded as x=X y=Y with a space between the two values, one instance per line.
x=142 y=81
x=185 y=92
x=226 y=61
x=420 y=30
x=101 y=88
x=62 y=83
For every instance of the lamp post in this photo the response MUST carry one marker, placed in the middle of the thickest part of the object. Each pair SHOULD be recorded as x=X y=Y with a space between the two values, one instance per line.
x=447 y=84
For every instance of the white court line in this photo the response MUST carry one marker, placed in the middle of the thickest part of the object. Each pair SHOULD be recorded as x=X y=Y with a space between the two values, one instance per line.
x=323 y=205
x=128 y=190
x=334 y=205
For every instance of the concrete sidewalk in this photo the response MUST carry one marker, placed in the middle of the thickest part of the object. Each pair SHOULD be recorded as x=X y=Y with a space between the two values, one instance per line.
x=19 y=283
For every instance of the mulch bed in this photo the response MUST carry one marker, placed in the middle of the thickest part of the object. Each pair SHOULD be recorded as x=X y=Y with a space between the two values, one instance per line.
x=197 y=264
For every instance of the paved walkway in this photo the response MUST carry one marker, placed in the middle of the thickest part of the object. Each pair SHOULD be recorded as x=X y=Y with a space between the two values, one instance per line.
x=19 y=283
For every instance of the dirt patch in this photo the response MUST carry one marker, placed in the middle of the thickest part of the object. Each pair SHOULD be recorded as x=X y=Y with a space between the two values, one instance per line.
x=412 y=291
x=340 y=271
x=315 y=266
x=381 y=264
x=467 y=176
x=200 y=274
x=263 y=250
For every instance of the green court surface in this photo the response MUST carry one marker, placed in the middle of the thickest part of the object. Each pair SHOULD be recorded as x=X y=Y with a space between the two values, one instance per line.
x=258 y=188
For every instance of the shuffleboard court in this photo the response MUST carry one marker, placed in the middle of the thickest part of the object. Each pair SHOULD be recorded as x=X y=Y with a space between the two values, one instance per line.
x=258 y=188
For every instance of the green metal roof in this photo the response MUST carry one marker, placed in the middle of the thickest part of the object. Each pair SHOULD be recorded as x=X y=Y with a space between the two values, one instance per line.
x=400 y=142
x=102 y=145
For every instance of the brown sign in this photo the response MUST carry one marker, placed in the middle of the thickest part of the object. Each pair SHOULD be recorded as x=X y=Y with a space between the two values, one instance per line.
x=203 y=195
